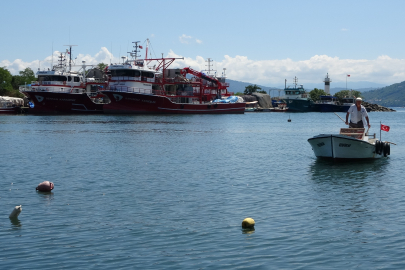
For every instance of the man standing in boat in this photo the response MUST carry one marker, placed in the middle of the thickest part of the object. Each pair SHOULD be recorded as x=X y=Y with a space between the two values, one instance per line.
x=357 y=112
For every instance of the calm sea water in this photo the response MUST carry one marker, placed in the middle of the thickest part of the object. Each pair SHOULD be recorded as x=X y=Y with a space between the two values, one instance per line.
x=170 y=192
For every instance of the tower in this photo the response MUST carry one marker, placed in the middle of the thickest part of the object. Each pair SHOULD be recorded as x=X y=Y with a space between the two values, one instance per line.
x=327 y=84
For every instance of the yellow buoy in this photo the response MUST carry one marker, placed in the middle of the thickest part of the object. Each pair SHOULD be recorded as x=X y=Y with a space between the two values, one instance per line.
x=248 y=223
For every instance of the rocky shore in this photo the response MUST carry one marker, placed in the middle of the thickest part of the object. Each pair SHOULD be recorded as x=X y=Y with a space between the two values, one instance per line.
x=376 y=108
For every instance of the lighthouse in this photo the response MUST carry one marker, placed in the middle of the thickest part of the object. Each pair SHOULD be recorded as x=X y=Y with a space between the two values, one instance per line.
x=327 y=84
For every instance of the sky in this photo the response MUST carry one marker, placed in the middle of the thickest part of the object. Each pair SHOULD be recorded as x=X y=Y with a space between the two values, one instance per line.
x=256 y=41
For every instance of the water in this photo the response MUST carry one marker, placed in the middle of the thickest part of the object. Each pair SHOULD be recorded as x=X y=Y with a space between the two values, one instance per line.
x=170 y=192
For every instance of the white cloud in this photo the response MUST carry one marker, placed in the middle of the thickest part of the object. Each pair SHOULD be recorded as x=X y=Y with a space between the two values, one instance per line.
x=383 y=69
x=189 y=39
x=185 y=39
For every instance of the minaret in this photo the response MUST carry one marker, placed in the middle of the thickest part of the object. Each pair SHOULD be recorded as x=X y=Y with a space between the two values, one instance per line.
x=327 y=84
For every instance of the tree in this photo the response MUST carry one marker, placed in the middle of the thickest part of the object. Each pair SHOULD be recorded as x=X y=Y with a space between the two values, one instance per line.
x=102 y=66
x=5 y=81
x=347 y=93
x=316 y=94
x=251 y=88
x=26 y=77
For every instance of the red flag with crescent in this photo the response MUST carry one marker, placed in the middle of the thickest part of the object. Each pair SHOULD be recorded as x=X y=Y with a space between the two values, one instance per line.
x=385 y=128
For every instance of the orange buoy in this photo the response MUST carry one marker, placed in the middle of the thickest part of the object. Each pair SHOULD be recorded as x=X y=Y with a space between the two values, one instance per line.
x=45 y=186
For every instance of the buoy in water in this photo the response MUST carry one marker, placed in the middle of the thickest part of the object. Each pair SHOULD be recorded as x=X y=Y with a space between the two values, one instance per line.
x=45 y=186
x=248 y=223
x=16 y=211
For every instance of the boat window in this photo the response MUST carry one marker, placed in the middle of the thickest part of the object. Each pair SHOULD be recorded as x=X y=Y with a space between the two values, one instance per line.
x=147 y=74
x=297 y=92
x=69 y=78
x=55 y=78
x=125 y=73
x=76 y=79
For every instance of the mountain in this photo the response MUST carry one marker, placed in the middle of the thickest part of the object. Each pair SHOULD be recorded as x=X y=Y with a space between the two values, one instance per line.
x=389 y=96
x=237 y=86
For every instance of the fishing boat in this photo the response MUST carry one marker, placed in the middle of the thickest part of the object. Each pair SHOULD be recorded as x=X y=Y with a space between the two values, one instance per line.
x=136 y=87
x=297 y=99
x=350 y=143
x=62 y=90
x=10 y=105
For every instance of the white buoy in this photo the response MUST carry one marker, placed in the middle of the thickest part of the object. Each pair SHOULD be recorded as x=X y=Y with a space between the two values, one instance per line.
x=248 y=223
x=16 y=211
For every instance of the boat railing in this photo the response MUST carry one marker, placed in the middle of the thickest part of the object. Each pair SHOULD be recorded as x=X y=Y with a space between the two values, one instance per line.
x=129 y=89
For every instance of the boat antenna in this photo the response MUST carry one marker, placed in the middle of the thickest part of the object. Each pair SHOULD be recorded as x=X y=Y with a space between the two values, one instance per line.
x=52 y=56
x=70 y=54
x=146 y=50
x=134 y=53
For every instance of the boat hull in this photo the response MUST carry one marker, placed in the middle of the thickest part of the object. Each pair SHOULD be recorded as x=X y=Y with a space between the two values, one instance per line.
x=11 y=110
x=62 y=103
x=342 y=147
x=300 y=105
x=138 y=103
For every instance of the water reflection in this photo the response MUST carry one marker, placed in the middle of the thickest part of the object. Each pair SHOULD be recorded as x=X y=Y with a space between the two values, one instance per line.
x=344 y=195
x=248 y=231
x=338 y=172
x=15 y=223
x=46 y=196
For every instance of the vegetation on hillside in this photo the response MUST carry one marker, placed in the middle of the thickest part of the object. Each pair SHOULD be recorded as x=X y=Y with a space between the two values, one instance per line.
x=389 y=96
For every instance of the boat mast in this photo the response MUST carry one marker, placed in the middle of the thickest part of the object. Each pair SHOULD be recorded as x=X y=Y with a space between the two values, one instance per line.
x=295 y=82
x=70 y=56
x=134 y=53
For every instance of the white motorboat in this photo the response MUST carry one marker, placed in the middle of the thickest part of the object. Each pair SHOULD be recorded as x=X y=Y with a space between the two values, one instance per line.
x=350 y=143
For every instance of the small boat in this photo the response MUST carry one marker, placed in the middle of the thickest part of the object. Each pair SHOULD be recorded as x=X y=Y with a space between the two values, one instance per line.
x=350 y=143
x=10 y=105
x=279 y=106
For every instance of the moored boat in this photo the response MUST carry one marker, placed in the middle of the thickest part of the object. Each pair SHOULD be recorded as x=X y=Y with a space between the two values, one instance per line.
x=297 y=99
x=350 y=143
x=135 y=88
x=10 y=105
x=62 y=90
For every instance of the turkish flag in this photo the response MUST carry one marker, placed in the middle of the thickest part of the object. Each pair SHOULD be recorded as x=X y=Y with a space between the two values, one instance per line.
x=348 y=75
x=140 y=47
x=385 y=128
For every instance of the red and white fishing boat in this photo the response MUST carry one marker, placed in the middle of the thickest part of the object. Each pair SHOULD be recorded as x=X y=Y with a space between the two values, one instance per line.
x=62 y=90
x=135 y=88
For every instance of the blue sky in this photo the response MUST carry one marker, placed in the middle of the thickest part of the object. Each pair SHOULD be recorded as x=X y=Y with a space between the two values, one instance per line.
x=260 y=42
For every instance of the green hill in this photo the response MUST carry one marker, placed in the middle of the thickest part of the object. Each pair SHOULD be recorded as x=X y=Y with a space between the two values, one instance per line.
x=389 y=96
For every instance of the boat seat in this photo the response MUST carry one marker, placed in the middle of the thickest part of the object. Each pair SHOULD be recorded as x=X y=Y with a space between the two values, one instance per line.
x=357 y=133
